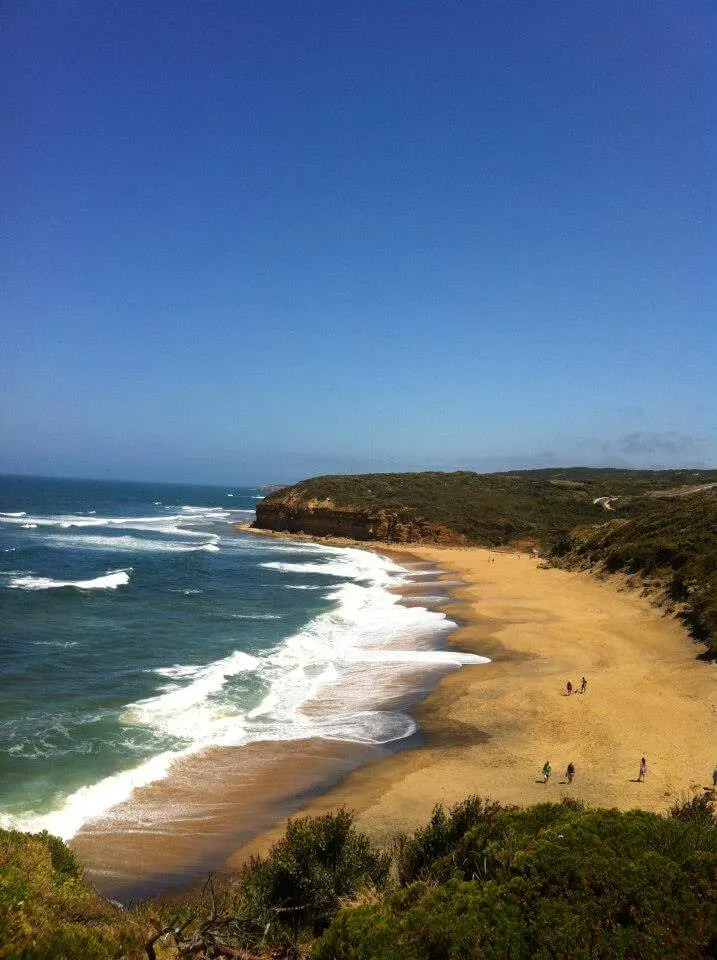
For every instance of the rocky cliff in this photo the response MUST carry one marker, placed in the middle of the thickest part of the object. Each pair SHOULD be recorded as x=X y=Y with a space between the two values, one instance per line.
x=324 y=518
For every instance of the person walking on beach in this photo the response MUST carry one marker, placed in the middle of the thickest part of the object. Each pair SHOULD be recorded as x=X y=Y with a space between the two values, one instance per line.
x=643 y=771
x=547 y=770
x=570 y=687
x=583 y=685
x=570 y=772
x=714 y=778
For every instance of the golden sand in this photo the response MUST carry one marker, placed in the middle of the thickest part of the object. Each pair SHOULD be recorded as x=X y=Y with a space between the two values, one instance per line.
x=491 y=728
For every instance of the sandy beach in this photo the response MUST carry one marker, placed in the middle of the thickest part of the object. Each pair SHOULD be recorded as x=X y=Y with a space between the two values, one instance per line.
x=490 y=728
x=485 y=729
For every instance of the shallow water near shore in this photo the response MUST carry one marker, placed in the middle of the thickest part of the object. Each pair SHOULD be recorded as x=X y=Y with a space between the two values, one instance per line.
x=150 y=650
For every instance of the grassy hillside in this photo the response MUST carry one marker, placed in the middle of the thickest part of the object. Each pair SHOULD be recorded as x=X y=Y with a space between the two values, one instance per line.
x=499 y=508
x=480 y=880
x=48 y=912
x=671 y=544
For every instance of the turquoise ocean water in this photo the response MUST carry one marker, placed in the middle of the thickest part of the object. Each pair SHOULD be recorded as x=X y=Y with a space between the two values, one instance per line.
x=136 y=627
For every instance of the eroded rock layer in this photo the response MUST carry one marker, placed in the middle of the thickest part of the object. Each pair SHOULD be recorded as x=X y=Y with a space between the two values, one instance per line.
x=326 y=519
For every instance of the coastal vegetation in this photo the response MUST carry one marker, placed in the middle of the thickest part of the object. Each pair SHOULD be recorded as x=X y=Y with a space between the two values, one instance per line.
x=479 y=880
x=670 y=547
x=496 y=509
x=49 y=912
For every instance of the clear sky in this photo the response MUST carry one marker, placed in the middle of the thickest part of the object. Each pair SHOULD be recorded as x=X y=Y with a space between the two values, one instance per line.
x=256 y=240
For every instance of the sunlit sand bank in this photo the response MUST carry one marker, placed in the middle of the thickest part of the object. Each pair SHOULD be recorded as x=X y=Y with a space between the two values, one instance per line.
x=489 y=729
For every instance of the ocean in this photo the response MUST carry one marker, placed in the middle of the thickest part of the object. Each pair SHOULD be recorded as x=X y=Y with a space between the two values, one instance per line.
x=137 y=627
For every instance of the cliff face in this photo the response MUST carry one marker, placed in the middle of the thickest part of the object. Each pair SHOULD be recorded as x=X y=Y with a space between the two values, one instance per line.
x=324 y=518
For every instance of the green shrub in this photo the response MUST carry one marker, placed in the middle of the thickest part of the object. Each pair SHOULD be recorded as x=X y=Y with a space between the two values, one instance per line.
x=699 y=809
x=300 y=884
x=557 y=882
x=417 y=855
x=47 y=912
x=62 y=858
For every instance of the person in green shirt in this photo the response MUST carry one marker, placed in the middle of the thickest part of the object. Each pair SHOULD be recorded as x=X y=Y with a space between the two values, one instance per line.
x=547 y=770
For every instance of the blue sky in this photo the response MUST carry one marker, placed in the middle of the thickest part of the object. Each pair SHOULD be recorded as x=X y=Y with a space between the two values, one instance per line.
x=255 y=241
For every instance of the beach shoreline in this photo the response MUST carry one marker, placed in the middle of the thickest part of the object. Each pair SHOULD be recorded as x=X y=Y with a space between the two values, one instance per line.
x=489 y=729
x=484 y=729
x=171 y=832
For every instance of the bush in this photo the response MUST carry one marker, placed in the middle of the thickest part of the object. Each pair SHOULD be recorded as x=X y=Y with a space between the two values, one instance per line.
x=48 y=913
x=300 y=884
x=416 y=856
x=557 y=882
x=699 y=809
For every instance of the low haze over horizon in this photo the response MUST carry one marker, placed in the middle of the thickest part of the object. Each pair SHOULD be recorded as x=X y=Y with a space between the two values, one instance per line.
x=253 y=242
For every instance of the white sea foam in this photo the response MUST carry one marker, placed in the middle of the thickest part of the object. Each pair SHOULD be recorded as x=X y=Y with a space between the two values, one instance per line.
x=94 y=800
x=108 y=581
x=367 y=636
x=426 y=598
x=128 y=543
x=19 y=513
x=210 y=513
x=382 y=574
x=366 y=726
x=177 y=672
x=183 y=523
x=433 y=658
x=185 y=711
x=29 y=526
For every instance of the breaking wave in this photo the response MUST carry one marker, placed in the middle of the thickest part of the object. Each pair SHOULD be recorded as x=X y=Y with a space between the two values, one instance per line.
x=108 y=581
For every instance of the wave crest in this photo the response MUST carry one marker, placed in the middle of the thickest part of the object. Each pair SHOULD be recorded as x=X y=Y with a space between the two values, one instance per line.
x=108 y=581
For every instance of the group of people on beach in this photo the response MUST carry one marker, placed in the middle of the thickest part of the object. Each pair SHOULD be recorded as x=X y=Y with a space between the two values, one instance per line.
x=548 y=770
x=571 y=689
x=570 y=770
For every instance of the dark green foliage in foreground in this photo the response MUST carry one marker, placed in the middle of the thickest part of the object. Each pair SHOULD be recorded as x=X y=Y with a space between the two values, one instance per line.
x=551 y=881
x=416 y=856
x=48 y=913
x=673 y=543
x=498 y=508
x=699 y=810
x=301 y=882
x=479 y=881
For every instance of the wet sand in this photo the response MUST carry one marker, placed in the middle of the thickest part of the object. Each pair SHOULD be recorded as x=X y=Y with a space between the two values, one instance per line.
x=489 y=729
x=177 y=830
